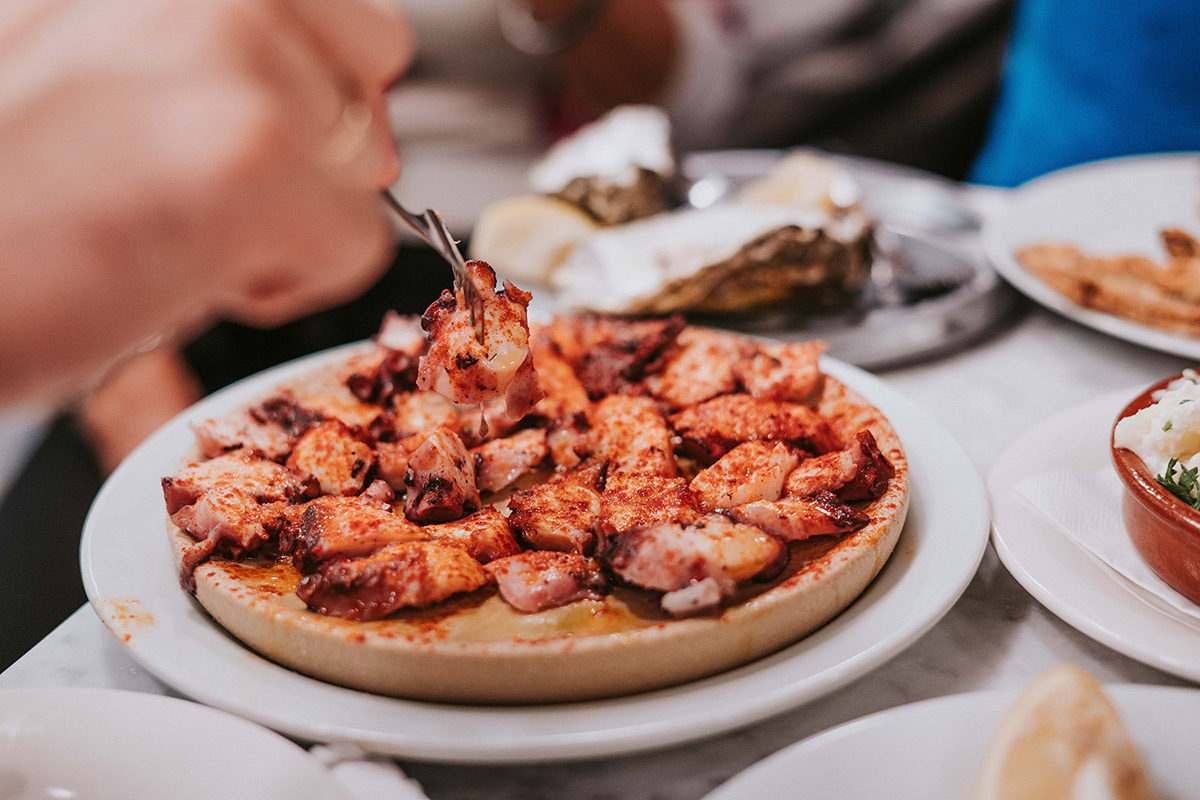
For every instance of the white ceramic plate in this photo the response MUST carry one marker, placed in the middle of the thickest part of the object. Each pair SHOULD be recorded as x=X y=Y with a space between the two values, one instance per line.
x=1106 y=208
x=130 y=579
x=935 y=749
x=102 y=744
x=1065 y=579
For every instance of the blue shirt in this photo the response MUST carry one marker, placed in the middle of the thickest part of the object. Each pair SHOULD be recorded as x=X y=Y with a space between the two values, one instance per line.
x=1092 y=79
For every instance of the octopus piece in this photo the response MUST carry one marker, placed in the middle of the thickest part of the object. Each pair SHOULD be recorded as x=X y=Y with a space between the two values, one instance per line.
x=460 y=367
x=241 y=430
x=712 y=429
x=440 y=480
x=572 y=337
x=714 y=551
x=380 y=491
x=344 y=527
x=859 y=472
x=225 y=519
x=383 y=377
x=560 y=514
x=262 y=479
x=794 y=518
x=700 y=370
x=418 y=413
x=569 y=440
x=391 y=464
x=501 y=462
x=392 y=369
x=333 y=455
x=401 y=333
x=286 y=411
x=568 y=335
x=786 y=372
x=541 y=579
x=351 y=412
x=751 y=471
x=632 y=500
x=407 y=574
x=484 y=534
x=620 y=354
x=598 y=344
x=524 y=392
x=632 y=436
x=564 y=395
x=698 y=597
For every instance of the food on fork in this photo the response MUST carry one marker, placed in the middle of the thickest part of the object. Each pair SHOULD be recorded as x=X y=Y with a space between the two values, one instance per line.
x=1062 y=739
x=464 y=368
x=668 y=490
x=1165 y=296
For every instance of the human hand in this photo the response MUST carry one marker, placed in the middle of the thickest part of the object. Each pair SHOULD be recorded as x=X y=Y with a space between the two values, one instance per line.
x=165 y=162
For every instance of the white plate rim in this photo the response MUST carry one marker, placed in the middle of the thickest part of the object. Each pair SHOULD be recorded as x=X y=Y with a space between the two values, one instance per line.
x=58 y=703
x=957 y=522
x=743 y=785
x=1139 y=630
x=998 y=246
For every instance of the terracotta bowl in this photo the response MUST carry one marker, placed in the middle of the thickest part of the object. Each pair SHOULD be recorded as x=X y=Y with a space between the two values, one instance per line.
x=1164 y=529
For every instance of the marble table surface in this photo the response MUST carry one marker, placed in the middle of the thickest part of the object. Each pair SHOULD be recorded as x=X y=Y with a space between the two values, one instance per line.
x=997 y=635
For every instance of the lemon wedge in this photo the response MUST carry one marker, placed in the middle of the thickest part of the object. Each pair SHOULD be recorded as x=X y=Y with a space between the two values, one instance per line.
x=805 y=180
x=1063 y=740
x=529 y=237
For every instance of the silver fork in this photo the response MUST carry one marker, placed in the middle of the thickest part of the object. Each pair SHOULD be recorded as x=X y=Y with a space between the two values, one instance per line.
x=432 y=230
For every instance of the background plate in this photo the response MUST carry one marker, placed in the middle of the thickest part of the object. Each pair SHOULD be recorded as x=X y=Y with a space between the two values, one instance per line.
x=944 y=742
x=102 y=744
x=1105 y=208
x=131 y=582
x=931 y=290
x=1086 y=594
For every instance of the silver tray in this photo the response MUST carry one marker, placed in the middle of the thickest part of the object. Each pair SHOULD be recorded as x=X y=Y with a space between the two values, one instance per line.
x=931 y=290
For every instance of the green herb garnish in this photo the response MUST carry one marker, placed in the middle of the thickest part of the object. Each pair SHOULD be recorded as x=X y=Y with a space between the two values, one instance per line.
x=1168 y=426
x=1185 y=485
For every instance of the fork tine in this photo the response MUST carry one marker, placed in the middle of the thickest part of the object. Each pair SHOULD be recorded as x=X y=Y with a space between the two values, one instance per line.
x=451 y=253
x=432 y=230
x=419 y=225
x=438 y=225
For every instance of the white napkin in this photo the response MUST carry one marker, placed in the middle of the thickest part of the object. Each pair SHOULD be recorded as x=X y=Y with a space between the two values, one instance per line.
x=366 y=776
x=1086 y=508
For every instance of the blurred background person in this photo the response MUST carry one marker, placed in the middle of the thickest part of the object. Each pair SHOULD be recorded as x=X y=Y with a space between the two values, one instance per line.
x=1085 y=81
x=166 y=164
x=494 y=82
